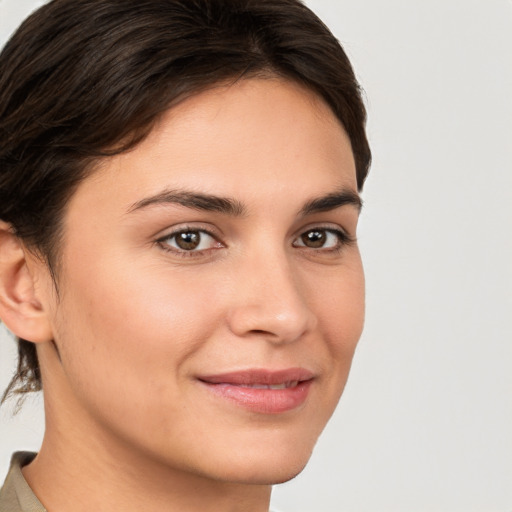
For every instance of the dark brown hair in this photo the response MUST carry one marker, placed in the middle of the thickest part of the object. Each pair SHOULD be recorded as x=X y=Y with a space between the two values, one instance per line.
x=84 y=79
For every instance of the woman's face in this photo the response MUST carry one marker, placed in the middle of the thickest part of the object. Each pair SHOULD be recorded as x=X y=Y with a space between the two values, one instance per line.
x=211 y=289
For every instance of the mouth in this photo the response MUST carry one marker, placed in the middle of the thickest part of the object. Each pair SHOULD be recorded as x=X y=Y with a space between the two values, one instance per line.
x=283 y=385
x=262 y=391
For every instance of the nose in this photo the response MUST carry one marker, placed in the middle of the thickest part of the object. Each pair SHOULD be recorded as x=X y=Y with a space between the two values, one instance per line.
x=271 y=302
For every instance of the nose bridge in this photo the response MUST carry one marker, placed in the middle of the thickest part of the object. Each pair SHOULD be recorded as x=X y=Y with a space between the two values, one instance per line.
x=271 y=301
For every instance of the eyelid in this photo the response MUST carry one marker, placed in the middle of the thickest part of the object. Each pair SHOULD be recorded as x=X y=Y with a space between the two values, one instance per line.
x=344 y=237
x=205 y=227
x=176 y=230
x=327 y=226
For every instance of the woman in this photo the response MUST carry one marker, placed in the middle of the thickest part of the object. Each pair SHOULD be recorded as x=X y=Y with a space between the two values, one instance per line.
x=178 y=259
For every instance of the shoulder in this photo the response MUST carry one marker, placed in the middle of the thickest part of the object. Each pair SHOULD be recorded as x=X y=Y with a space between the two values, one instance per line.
x=15 y=494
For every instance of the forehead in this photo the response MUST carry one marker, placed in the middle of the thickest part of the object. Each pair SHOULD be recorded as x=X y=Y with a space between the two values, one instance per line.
x=231 y=138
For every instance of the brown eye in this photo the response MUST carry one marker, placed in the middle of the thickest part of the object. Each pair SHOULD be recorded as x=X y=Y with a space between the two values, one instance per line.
x=320 y=238
x=188 y=240
x=314 y=239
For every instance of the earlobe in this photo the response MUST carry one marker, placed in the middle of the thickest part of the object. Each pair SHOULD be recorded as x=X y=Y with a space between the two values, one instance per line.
x=21 y=310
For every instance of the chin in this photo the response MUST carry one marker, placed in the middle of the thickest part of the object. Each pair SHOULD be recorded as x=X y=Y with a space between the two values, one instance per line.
x=268 y=469
x=279 y=475
x=267 y=476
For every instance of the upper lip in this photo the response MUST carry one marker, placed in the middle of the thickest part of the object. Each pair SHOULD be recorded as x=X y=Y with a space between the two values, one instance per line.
x=259 y=376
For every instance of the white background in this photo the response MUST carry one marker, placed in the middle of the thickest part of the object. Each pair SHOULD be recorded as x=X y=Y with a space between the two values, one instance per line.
x=426 y=420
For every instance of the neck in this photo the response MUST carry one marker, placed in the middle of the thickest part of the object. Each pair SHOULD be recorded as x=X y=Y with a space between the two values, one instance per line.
x=80 y=468
x=84 y=479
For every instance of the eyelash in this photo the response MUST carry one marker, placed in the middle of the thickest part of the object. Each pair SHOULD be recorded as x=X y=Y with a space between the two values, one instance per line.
x=183 y=253
x=344 y=239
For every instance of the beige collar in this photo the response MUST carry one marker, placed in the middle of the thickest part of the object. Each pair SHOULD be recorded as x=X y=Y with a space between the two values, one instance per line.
x=16 y=495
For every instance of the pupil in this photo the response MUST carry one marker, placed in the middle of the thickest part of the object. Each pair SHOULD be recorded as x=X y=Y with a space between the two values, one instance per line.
x=188 y=240
x=314 y=238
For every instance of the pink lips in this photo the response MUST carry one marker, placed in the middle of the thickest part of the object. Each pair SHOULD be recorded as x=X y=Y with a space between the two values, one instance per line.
x=263 y=391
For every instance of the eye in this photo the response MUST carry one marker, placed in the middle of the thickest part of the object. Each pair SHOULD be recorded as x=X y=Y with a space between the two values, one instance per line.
x=189 y=240
x=320 y=238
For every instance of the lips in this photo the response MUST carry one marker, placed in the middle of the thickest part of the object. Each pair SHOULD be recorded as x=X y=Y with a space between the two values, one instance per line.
x=262 y=391
x=284 y=385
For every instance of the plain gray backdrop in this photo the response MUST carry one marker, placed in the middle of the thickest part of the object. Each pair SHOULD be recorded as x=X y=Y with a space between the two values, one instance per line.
x=426 y=419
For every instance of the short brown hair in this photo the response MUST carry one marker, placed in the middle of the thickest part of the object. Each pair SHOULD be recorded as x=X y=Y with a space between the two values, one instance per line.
x=85 y=79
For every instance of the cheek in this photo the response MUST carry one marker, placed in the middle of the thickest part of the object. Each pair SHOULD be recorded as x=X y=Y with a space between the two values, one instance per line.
x=340 y=311
x=341 y=307
x=134 y=328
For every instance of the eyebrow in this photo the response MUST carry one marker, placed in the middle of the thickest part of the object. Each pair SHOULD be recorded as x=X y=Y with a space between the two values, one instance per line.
x=332 y=201
x=196 y=201
x=234 y=208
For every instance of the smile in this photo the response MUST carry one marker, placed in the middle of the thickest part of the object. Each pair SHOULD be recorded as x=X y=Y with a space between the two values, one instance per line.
x=284 y=385
x=262 y=391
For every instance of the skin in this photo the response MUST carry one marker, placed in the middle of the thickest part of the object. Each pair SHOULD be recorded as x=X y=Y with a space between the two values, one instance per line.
x=129 y=425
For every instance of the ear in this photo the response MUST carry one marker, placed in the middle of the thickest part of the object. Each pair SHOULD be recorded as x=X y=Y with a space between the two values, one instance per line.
x=21 y=310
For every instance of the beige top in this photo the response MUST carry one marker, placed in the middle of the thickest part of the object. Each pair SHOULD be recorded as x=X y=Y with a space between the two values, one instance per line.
x=16 y=495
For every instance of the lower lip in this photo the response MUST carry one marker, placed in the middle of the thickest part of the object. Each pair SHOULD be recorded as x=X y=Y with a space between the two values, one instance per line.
x=265 y=401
